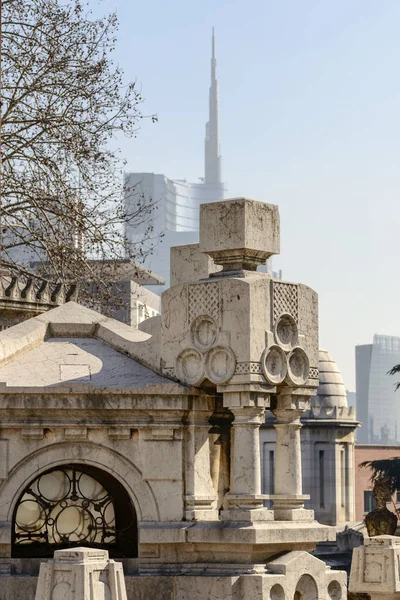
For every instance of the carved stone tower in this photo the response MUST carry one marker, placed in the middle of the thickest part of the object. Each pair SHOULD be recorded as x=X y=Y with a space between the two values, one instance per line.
x=252 y=341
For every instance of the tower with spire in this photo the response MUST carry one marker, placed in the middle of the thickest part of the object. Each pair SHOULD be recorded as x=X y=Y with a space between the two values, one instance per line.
x=176 y=220
x=212 y=173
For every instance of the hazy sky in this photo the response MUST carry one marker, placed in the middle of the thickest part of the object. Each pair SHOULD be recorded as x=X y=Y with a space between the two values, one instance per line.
x=310 y=99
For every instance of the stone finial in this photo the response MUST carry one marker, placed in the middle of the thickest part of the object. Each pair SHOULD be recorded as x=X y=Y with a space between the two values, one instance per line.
x=81 y=574
x=375 y=568
x=239 y=233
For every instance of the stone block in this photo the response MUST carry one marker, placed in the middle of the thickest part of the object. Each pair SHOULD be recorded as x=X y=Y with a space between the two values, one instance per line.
x=239 y=233
x=375 y=568
x=188 y=264
x=81 y=574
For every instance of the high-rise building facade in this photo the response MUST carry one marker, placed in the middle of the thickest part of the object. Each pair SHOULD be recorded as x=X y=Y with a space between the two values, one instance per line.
x=176 y=220
x=378 y=404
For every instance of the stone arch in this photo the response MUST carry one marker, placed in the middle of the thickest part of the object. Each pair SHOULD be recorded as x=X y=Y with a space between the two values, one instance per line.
x=306 y=589
x=73 y=505
x=335 y=590
x=277 y=592
x=101 y=457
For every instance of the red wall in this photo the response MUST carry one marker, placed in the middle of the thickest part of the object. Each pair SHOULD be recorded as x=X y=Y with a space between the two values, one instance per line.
x=362 y=476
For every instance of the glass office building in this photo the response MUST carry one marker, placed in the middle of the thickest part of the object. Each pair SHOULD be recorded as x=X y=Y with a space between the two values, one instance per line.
x=378 y=404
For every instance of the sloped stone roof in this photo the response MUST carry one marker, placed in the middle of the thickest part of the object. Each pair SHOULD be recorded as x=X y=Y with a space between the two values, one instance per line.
x=88 y=360
x=72 y=344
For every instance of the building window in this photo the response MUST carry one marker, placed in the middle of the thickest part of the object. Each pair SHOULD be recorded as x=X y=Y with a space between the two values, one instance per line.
x=271 y=472
x=72 y=506
x=369 y=501
x=321 y=479
x=342 y=477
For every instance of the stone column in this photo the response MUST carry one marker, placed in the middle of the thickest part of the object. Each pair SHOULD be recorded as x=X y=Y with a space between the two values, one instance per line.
x=244 y=501
x=288 y=498
x=200 y=497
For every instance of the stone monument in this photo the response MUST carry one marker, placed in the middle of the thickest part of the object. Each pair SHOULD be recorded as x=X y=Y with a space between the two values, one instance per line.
x=146 y=442
x=375 y=568
x=81 y=574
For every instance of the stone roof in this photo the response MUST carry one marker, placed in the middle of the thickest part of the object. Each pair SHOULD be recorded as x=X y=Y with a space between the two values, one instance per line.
x=72 y=345
x=331 y=391
x=64 y=360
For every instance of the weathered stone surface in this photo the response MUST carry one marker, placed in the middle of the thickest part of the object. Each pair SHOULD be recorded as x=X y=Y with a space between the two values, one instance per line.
x=188 y=264
x=81 y=574
x=239 y=233
x=375 y=568
x=58 y=361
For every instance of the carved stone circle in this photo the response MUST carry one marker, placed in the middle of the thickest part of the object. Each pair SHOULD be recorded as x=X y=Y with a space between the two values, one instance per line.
x=190 y=366
x=286 y=333
x=220 y=364
x=298 y=367
x=274 y=364
x=203 y=332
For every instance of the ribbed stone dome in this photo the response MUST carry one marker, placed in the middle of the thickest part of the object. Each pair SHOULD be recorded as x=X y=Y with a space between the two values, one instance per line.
x=331 y=390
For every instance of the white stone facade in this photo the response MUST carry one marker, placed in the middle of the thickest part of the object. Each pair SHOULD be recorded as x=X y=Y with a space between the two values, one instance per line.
x=146 y=442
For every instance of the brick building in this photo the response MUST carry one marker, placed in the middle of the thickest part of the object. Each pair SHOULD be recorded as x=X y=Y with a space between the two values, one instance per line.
x=363 y=489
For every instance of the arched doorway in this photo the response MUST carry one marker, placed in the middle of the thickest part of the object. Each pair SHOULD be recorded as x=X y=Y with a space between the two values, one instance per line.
x=74 y=505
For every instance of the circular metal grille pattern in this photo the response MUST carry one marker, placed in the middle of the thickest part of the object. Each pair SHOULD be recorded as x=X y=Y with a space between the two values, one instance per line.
x=65 y=507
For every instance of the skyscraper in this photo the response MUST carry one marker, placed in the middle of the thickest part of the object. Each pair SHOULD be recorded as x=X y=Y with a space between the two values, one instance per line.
x=212 y=167
x=175 y=222
x=378 y=405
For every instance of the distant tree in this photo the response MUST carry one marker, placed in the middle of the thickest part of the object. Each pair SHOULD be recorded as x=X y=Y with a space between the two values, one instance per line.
x=63 y=102
x=385 y=473
x=393 y=371
x=385 y=479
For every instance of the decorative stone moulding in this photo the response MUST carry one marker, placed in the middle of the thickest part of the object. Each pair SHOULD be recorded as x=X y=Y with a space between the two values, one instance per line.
x=220 y=364
x=274 y=365
x=206 y=357
x=285 y=361
x=298 y=367
x=204 y=332
x=286 y=333
x=190 y=366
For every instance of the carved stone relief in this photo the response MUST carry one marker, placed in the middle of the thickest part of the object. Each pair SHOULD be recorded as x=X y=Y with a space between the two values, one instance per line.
x=286 y=360
x=190 y=366
x=298 y=367
x=285 y=300
x=207 y=358
x=274 y=364
x=286 y=334
x=220 y=364
x=203 y=299
x=203 y=332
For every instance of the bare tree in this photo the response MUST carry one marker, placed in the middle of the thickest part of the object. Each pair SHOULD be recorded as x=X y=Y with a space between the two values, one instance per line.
x=64 y=103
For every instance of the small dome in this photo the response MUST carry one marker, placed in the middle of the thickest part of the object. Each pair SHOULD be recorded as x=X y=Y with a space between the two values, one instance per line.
x=331 y=390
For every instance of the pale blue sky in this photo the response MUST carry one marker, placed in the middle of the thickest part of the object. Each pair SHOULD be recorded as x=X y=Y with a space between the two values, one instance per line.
x=310 y=98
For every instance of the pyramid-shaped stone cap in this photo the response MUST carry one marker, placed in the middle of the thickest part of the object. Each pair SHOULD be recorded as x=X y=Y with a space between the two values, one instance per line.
x=239 y=233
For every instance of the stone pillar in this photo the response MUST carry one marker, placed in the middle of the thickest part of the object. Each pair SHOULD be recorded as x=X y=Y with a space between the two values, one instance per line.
x=81 y=574
x=244 y=501
x=201 y=497
x=288 y=498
